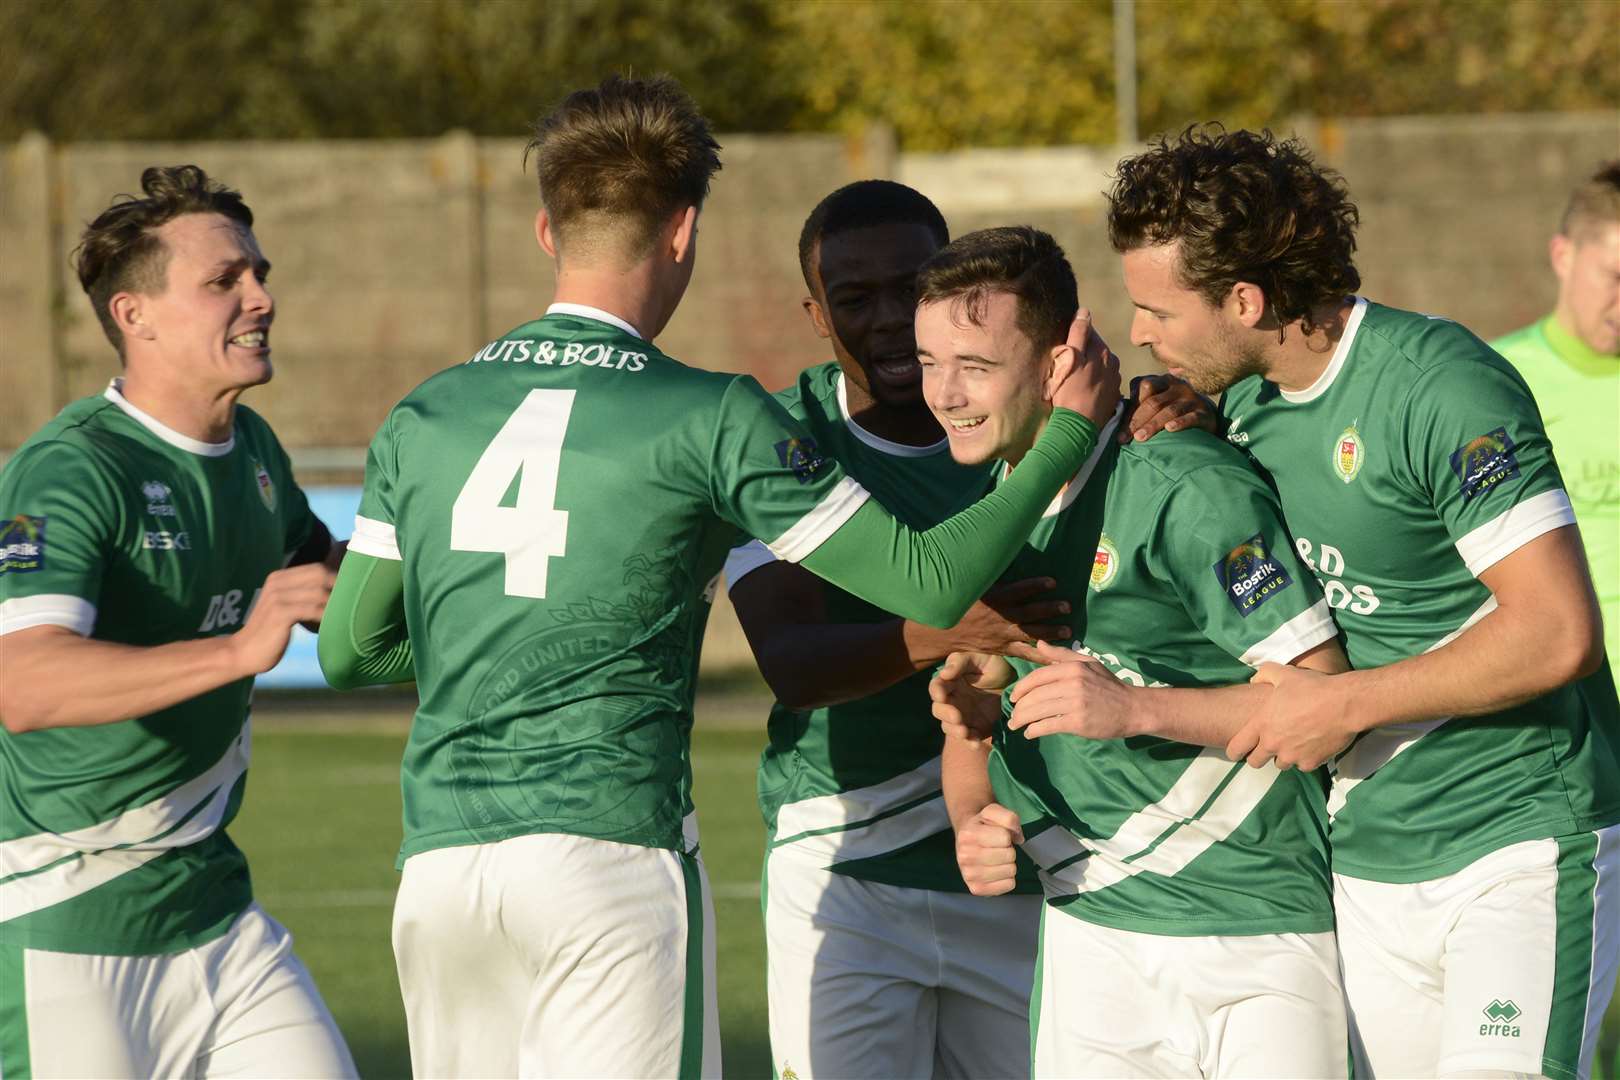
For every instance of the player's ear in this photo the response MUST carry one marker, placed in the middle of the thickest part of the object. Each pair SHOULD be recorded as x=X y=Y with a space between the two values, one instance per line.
x=682 y=245
x=1560 y=253
x=818 y=316
x=128 y=311
x=1247 y=303
x=1059 y=363
x=544 y=234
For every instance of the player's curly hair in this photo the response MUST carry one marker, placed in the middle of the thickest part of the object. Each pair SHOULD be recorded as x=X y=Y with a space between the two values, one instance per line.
x=616 y=160
x=1244 y=207
x=120 y=250
x=1016 y=259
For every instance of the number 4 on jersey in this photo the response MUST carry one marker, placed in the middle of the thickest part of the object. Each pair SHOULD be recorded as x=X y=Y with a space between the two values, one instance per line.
x=532 y=531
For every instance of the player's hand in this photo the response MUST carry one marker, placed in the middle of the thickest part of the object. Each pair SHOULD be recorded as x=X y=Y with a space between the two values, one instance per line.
x=1008 y=617
x=1165 y=403
x=1306 y=721
x=1072 y=695
x=1091 y=387
x=296 y=594
x=986 y=850
x=966 y=692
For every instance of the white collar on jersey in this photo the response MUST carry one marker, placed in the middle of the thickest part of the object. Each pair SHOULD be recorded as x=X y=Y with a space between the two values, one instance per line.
x=878 y=442
x=1335 y=364
x=585 y=311
x=115 y=394
x=1071 y=491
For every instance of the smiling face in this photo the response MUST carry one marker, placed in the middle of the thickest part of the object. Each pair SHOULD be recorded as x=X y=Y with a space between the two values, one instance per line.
x=1588 y=269
x=1202 y=344
x=209 y=324
x=983 y=381
x=868 y=296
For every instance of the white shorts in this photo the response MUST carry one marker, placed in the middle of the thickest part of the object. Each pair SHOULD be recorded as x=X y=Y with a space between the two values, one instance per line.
x=1505 y=966
x=871 y=980
x=241 y=1005
x=1113 y=1003
x=557 y=955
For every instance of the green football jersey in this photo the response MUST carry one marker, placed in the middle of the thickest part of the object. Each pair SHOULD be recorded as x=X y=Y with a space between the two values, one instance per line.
x=1191 y=581
x=556 y=649
x=1577 y=391
x=1416 y=462
x=856 y=785
x=112 y=837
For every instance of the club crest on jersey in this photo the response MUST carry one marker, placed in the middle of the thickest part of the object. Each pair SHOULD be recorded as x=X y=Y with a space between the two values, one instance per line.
x=1105 y=564
x=803 y=456
x=22 y=545
x=1250 y=575
x=158 y=498
x=267 y=486
x=1483 y=462
x=1348 y=453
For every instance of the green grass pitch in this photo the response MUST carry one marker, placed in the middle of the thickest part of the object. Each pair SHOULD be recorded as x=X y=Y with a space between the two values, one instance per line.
x=321 y=827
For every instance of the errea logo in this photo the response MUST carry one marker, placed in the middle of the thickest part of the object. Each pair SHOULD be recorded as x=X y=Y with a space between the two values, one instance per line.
x=1501 y=1015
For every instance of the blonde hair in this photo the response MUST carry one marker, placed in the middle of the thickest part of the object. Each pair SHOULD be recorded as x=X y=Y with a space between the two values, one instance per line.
x=615 y=161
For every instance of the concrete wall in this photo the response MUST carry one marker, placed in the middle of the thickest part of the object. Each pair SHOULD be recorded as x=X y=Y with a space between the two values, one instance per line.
x=394 y=259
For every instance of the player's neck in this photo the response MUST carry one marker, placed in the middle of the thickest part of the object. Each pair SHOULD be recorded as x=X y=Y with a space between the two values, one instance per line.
x=205 y=415
x=1013 y=453
x=1567 y=341
x=1298 y=360
x=634 y=295
x=908 y=425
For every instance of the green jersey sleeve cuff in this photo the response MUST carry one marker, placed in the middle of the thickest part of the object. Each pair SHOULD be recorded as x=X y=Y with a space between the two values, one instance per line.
x=828 y=516
x=374 y=538
x=1490 y=543
x=50 y=609
x=1294 y=638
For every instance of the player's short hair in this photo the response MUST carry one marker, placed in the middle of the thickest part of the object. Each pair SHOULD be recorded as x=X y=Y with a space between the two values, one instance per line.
x=862 y=204
x=1016 y=259
x=614 y=162
x=1244 y=207
x=120 y=250
x=1594 y=203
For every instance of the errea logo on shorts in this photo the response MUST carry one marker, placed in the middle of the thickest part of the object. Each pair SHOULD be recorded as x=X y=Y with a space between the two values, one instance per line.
x=1501 y=1015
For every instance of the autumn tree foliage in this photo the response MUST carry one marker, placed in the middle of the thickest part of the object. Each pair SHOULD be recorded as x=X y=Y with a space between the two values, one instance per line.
x=942 y=73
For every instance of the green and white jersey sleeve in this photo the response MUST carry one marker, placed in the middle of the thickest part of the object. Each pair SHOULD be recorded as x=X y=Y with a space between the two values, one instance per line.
x=856 y=786
x=117 y=527
x=1415 y=463
x=1191 y=581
